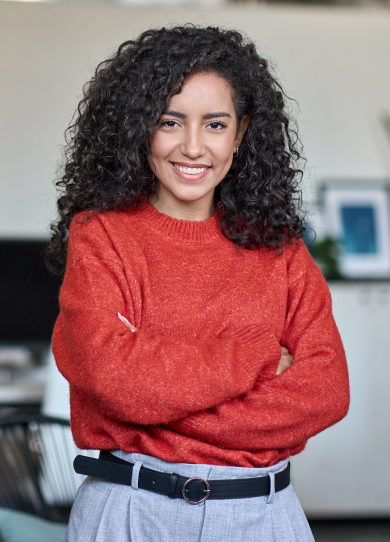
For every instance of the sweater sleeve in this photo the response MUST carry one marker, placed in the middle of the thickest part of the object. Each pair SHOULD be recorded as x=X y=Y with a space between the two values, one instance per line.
x=138 y=377
x=311 y=395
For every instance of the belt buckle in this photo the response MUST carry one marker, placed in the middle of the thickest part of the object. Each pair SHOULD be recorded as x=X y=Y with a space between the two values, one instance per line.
x=207 y=490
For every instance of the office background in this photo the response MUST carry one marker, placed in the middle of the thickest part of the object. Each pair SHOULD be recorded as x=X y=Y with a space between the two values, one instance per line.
x=333 y=61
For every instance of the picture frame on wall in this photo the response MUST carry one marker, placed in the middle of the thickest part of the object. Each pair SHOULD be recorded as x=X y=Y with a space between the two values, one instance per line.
x=357 y=214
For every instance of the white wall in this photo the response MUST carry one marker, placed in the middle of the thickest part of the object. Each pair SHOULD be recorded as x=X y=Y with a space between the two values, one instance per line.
x=334 y=61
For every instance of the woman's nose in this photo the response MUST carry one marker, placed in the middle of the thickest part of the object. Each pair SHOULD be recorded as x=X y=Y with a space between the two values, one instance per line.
x=193 y=145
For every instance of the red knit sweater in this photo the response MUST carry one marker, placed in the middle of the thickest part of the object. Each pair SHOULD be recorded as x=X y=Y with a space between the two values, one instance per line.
x=197 y=382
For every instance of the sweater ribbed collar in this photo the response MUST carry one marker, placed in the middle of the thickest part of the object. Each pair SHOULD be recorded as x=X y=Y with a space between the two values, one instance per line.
x=176 y=229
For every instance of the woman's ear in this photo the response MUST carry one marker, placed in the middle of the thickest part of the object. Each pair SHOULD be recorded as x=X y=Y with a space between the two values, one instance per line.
x=241 y=130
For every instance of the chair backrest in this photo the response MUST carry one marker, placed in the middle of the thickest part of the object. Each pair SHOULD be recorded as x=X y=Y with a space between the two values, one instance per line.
x=36 y=472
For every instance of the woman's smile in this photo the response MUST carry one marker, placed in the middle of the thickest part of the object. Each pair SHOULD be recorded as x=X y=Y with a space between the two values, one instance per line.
x=190 y=172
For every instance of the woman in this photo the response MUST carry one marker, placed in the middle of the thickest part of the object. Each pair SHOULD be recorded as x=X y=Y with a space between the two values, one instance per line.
x=187 y=291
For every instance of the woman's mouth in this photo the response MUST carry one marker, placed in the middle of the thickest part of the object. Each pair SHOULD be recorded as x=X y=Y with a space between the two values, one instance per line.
x=190 y=172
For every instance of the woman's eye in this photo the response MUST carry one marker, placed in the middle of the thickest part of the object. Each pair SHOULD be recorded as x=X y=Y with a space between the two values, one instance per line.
x=217 y=125
x=169 y=123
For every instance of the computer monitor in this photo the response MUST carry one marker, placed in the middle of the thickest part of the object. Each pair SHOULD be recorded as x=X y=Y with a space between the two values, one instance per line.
x=28 y=294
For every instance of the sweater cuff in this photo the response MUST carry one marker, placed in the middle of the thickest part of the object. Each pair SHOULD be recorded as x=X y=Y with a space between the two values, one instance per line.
x=259 y=350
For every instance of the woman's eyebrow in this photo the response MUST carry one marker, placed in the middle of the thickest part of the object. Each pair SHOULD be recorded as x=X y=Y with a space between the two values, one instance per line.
x=216 y=114
x=172 y=113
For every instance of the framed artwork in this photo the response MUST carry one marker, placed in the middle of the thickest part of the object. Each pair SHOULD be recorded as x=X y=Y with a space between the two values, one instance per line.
x=357 y=214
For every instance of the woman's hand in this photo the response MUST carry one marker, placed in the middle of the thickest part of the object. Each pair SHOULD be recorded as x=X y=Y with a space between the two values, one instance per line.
x=285 y=361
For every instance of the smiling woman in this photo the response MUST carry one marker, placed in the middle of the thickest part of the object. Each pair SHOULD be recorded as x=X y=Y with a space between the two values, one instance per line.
x=195 y=330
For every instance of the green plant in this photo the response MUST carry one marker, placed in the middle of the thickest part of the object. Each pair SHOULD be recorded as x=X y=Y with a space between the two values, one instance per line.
x=326 y=252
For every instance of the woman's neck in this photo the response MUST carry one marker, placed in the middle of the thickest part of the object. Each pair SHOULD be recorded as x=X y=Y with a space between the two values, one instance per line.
x=199 y=210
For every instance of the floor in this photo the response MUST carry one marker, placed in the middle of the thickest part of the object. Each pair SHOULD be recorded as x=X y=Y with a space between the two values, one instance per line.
x=351 y=530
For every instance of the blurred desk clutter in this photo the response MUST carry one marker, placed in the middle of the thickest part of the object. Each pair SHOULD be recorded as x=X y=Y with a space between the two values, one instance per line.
x=37 y=481
x=22 y=376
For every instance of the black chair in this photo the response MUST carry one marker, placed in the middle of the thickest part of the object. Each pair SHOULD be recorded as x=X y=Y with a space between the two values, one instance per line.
x=36 y=472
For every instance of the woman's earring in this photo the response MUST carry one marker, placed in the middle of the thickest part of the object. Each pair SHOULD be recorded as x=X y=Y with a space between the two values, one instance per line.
x=235 y=154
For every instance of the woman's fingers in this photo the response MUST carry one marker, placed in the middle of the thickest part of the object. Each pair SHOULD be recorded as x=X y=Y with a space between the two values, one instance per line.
x=285 y=362
x=126 y=322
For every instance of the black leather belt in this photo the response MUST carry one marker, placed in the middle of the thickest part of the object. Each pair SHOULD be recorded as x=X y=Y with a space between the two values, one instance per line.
x=194 y=490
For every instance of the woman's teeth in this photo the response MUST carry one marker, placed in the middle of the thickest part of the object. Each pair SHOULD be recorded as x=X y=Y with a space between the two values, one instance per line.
x=190 y=170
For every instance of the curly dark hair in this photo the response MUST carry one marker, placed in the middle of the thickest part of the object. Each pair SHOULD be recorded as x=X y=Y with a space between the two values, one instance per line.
x=106 y=164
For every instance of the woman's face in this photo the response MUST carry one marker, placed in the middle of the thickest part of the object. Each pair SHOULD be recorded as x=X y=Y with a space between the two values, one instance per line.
x=192 y=147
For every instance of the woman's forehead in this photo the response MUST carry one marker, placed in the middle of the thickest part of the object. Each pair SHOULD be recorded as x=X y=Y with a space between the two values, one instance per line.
x=203 y=92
